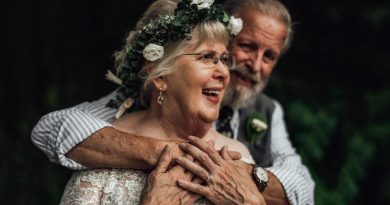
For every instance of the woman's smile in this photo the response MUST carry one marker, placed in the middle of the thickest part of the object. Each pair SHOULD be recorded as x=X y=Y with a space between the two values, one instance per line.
x=213 y=94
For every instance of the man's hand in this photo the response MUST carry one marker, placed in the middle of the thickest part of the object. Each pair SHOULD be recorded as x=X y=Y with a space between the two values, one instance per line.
x=161 y=187
x=111 y=148
x=225 y=182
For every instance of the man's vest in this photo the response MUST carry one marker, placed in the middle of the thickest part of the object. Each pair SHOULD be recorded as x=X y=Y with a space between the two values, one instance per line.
x=261 y=149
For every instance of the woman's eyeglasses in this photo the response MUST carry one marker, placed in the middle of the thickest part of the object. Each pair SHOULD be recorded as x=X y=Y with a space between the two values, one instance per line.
x=211 y=57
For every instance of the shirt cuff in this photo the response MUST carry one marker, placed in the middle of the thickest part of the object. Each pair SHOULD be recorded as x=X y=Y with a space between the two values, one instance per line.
x=77 y=127
x=297 y=184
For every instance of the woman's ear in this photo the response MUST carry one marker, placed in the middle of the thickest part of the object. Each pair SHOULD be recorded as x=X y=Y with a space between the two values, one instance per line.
x=159 y=83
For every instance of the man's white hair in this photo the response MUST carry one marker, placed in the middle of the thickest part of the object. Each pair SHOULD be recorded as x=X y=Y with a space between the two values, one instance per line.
x=272 y=8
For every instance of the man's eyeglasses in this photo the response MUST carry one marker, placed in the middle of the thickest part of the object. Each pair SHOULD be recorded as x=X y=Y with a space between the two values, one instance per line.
x=211 y=57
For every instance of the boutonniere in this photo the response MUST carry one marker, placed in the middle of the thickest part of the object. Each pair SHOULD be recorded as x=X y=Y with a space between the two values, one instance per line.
x=255 y=127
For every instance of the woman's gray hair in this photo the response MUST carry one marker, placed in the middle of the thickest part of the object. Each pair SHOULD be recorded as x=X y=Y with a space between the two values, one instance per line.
x=205 y=31
x=272 y=8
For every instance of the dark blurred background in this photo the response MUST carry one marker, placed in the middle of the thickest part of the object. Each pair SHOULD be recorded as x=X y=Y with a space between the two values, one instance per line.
x=332 y=83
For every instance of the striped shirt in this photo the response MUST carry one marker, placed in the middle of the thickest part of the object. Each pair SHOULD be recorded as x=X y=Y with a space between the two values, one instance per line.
x=58 y=132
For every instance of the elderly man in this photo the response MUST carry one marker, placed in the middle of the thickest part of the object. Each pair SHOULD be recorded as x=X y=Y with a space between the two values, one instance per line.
x=82 y=136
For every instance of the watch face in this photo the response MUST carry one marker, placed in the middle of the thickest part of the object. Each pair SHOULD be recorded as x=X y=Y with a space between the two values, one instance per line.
x=262 y=174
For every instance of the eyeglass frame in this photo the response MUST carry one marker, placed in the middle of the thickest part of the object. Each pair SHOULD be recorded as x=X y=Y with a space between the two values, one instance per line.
x=215 y=59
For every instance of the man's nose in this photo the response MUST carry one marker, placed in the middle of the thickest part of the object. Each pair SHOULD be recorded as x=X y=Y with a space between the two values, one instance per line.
x=255 y=62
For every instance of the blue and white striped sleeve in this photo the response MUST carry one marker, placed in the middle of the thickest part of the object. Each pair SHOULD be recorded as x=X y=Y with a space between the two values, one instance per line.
x=287 y=165
x=58 y=132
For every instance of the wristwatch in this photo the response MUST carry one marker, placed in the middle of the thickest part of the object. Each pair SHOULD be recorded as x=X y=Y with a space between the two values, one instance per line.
x=261 y=178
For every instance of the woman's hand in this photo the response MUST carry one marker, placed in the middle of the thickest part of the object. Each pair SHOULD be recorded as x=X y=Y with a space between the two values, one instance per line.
x=161 y=186
x=225 y=181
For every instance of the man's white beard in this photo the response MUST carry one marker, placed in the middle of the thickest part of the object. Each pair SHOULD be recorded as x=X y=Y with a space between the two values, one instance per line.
x=239 y=96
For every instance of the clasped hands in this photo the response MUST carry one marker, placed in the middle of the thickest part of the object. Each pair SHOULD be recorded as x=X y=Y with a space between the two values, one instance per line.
x=203 y=171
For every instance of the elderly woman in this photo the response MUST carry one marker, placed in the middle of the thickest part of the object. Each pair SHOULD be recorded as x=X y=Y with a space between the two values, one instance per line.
x=173 y=72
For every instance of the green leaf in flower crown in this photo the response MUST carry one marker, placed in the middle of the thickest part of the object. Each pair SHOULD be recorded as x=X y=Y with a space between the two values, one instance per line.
x=179 y=13
x=176 y=22
x=256 y=127
x=184 y=18
x=226 y=18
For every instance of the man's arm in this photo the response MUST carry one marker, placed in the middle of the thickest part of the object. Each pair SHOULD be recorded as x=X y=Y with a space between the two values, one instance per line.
x=112 y=148
x=274 y=194
x=58 y=132
x=82 y=136
x=287 y=166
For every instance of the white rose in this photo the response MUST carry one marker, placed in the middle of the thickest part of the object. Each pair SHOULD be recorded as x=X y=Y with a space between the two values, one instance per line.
x=258 y=125
x=235 y=25
x=203 y=4
x=153 y=52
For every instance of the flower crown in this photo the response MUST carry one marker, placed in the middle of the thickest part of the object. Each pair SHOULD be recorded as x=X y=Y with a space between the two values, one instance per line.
x=148 y=43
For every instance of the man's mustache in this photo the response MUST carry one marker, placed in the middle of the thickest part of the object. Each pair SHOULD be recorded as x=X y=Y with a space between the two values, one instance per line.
x=242 y=71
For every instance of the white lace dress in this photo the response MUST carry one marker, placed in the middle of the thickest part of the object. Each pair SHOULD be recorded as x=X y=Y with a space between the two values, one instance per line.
x=108 y=186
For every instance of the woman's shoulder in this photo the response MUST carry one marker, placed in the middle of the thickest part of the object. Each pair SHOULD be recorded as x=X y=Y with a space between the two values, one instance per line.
x=233 y=145
x=128 y=122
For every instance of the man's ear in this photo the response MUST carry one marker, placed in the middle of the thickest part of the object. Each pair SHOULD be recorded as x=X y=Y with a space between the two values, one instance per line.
x=159 y=83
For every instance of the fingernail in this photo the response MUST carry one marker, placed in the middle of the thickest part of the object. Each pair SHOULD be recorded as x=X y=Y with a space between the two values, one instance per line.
x=167 y=147
x=191 y=137
x=182 y=145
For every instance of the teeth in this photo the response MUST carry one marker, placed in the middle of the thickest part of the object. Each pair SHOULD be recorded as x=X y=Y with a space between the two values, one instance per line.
x=211 y=92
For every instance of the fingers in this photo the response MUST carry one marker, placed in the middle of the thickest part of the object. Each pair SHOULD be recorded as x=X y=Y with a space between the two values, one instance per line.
x=225 y=153
x=193 y=187
x=164 y=161
x=189 y=157
x=179 y=170
x=193 y=167
x=176 y=151
x=234 y=155
x=180 y=173
x=198 y=155
x=189 y=198
x=211 y=143
x=197 y=180
x=208 y=148
x=229 y=155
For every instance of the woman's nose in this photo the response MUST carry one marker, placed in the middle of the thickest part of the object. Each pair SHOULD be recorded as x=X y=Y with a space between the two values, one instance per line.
x=221 y=71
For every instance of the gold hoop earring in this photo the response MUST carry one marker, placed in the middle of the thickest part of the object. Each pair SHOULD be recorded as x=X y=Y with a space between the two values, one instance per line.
x=160 y=98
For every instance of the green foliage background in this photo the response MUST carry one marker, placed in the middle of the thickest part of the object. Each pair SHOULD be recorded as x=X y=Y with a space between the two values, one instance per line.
x=332 y=83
